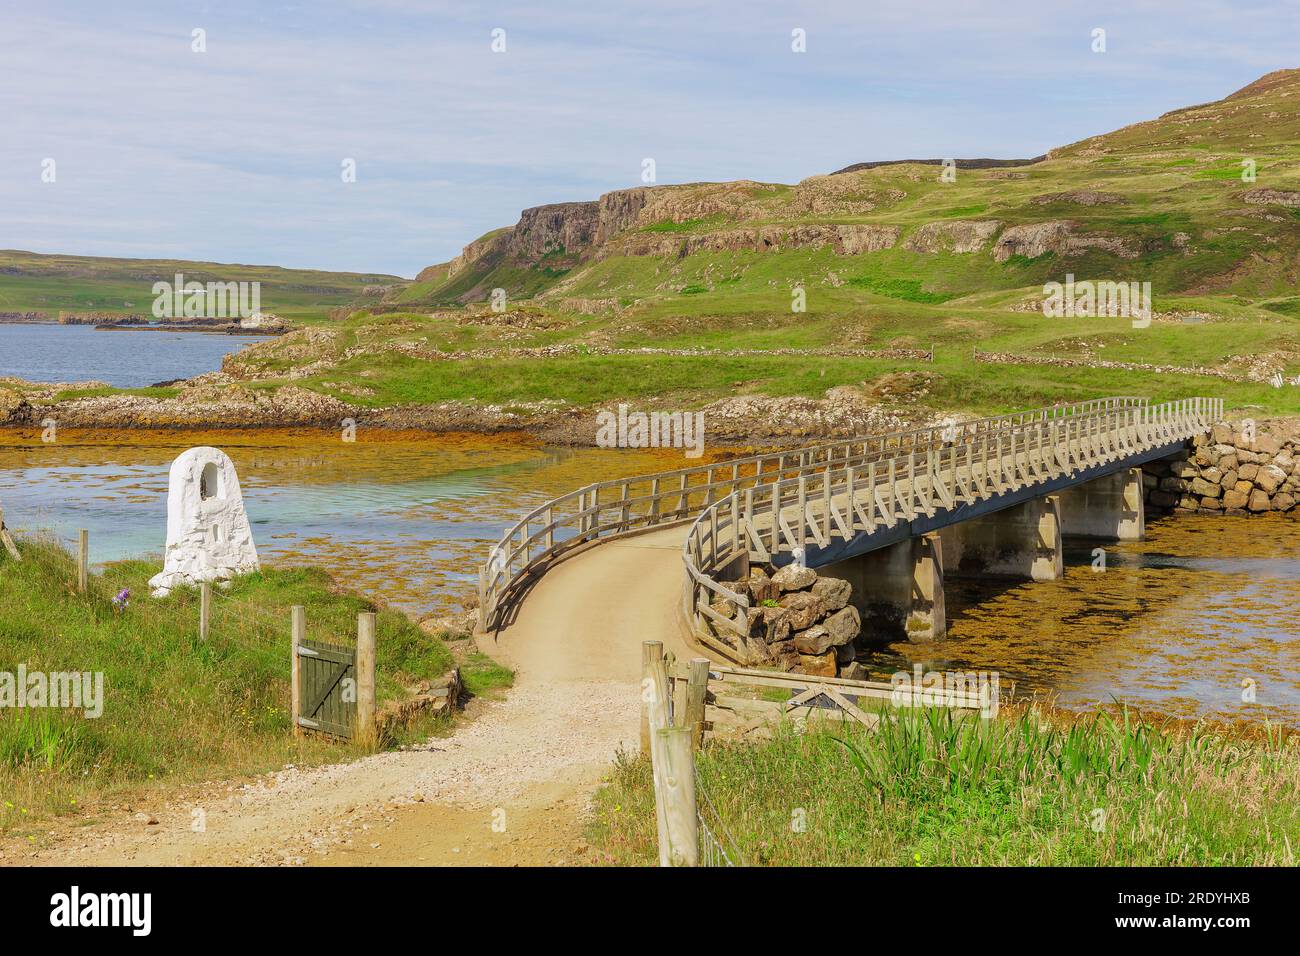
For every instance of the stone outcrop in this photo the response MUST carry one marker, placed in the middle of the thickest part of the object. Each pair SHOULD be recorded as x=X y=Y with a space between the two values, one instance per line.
x=957 y=235
x=1032 y=240
x=798 y=621
x=845 y=240
x=1059 y=236
x=1233 y=470
x=1080 y=197
x=1272 y=197
x=560 y=229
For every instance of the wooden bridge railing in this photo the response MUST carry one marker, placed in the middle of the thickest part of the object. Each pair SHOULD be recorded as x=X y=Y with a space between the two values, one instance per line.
x=609 y=509
x=845 y=502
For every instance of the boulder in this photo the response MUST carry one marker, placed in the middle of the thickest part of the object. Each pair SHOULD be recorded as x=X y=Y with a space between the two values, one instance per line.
x=853 y=671
x=761 y=587
x=1267 y=445
x=1229 y=479
x=1282 y=501
x=821 y=665
x=1206 y=488
x=772 y=624
x=844 y=625
x=1228 y=463
x=1259 y=501
x=1211 y=504
x=1163 y=499
x=1270 y=477
x=834 y=592
x=805 y=609
x=794 y=578
x=1248 y=471
x=757 y=651
x=1183 y=469
x=814 y=640
x=738 y=587
x=846 y=652
x=1235 y=499
x=784 y=655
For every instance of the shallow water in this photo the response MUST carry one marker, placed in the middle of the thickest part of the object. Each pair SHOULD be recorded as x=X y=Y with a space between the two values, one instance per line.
x=125 y=359
x=406 y=518
x=1174 y=623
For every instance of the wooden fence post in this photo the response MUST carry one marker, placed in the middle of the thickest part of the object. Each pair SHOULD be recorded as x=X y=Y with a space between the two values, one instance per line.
x=6 y=539
x=652 y=653
x=697 y=684
x=83 y=560
x=298 y=630
x=366 y=676
x=675 y=784
x=205 y=610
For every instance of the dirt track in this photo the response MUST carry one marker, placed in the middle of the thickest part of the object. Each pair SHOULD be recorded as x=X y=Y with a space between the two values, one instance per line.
x=528 y=763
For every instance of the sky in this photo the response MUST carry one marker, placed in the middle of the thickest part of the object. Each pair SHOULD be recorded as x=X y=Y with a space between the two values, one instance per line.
x=238 y=152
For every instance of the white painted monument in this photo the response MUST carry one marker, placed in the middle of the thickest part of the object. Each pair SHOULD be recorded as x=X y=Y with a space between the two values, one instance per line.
x=208 y=537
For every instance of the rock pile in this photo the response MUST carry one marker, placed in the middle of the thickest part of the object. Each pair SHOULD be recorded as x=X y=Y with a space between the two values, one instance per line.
x=799 y=621
x=1239 y=468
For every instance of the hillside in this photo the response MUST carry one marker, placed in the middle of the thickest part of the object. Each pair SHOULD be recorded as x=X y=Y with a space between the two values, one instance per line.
x=921 y=299
x=32 y=282
x=1163 y=200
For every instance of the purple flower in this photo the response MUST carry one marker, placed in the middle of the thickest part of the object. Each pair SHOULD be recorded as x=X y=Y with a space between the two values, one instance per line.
x=123 y=599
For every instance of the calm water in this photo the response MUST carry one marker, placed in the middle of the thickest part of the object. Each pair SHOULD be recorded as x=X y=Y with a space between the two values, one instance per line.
x=78 y=353
x=1174 y=624
x=406 y=520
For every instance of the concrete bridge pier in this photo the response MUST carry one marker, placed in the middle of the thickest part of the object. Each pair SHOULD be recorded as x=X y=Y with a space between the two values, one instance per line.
x=1108 y=507
x=1019 y=542
x=898 y=589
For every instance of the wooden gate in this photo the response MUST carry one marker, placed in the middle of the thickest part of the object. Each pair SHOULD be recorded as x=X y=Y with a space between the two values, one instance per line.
x=327 y=687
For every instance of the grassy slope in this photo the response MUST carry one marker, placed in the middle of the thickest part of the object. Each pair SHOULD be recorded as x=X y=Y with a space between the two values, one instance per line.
x=30 y=282
x=931 y=790
x=1178 y=174
x=175 y=709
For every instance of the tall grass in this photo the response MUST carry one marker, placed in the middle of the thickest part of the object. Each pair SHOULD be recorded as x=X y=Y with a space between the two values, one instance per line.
x=1033 y=787
x=175 y=708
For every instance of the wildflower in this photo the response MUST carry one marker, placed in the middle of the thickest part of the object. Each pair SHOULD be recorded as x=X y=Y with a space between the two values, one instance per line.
x=123 y=599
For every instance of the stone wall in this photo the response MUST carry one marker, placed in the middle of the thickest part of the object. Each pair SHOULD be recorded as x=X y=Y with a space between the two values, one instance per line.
x=1240 y=468
x=799 y=621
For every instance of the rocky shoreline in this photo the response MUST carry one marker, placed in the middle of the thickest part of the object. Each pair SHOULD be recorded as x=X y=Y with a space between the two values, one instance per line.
x=217 y=400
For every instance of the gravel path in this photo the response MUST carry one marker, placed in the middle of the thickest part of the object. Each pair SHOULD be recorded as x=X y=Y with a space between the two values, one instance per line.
x=510 y=785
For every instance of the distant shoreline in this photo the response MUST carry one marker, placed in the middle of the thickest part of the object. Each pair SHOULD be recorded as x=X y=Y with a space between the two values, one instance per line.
x=201 y=326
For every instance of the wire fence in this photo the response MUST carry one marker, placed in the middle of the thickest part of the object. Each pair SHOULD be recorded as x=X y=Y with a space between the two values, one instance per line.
x=717 y=846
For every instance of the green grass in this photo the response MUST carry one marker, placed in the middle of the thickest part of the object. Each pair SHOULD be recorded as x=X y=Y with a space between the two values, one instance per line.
x=175 y=709
x=484 y=677
x=58 y=283
x=71 y=394
x=936 y=789
x=1188 y=231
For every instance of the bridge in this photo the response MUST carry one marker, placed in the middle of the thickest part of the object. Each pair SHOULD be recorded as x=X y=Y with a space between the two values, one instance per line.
x=649 y=557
